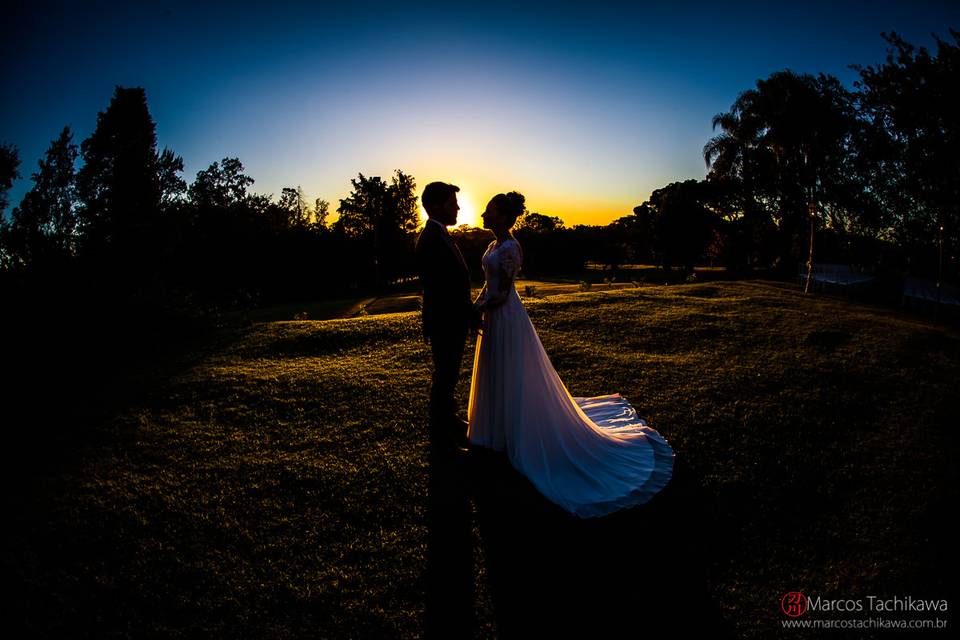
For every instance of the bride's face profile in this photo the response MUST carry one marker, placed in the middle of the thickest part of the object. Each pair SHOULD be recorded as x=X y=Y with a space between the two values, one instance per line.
x=491 y=217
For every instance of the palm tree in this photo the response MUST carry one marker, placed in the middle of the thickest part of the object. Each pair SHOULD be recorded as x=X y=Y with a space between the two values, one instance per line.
x=777 y=141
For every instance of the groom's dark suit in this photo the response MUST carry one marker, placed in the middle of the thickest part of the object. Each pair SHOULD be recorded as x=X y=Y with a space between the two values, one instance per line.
x=447 y=317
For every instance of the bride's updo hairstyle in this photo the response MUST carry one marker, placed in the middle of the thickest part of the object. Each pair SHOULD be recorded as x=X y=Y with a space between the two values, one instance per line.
x=510 y=205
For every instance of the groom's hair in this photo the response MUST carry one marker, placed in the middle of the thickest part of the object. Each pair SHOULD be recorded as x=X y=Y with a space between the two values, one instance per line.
x=436 y=194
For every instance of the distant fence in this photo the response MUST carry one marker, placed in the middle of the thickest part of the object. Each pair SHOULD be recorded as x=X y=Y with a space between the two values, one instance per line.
x=924 y=294
x=824 y=276
x=915 y=293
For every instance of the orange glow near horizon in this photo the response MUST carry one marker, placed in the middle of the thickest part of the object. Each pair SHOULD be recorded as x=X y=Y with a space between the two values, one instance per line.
x=572 y=210
x=566 y=203
x=468 y=209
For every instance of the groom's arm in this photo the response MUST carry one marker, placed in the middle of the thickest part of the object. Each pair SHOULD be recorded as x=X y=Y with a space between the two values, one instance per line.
x=476 y=311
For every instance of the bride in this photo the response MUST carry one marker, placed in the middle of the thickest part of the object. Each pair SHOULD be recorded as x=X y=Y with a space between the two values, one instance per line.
x=590 y=456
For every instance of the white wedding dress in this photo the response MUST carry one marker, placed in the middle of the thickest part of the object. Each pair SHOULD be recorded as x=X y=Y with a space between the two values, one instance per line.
x=590 y=456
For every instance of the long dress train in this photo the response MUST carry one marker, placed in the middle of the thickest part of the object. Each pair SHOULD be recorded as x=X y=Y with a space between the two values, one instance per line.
x=590 y=456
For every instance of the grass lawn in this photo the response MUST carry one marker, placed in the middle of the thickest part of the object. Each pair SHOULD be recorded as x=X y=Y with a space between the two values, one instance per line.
x=322 y=310
x=629 y=276
x=546 y=288
x=276 y=486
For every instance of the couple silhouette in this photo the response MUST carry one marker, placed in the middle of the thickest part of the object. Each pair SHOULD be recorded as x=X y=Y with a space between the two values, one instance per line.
x=536 y=461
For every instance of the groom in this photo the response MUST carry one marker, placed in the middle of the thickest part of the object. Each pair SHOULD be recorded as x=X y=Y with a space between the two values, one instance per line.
x=448 y=313
x=448 y=316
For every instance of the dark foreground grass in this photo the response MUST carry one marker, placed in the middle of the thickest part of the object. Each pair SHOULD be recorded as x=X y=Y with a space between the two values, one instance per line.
x=277 y=487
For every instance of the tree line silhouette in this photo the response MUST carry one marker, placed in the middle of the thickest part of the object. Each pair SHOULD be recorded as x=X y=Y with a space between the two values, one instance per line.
x=871 y=173
x=126 y=226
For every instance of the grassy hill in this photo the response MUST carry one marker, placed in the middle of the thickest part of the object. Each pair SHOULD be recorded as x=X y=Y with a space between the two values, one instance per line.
x=276 y=487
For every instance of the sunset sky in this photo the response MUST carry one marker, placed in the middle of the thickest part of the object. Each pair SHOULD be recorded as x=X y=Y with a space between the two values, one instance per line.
x=585 y=108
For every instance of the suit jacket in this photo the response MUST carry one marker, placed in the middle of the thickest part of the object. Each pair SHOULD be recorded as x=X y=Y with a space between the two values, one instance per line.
x=447 y=307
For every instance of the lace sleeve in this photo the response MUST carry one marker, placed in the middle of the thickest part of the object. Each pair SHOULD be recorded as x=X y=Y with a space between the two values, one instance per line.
x=504 y=268
x=511 y=260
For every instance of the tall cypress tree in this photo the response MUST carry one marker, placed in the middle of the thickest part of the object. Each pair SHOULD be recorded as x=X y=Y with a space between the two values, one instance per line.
x=123 y=187
x=119 y=185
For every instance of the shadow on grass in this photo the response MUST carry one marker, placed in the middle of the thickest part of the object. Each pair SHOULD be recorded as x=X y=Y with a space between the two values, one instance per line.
x=637 y=572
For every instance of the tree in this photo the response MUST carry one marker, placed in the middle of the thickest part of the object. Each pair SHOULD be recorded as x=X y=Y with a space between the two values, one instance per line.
x=172 y=185
x=638 y=228
x=683 y=226
x=321 y=210
x=221 y=185
x=119 y=184
x=784 y=144
x=384 y=216
x=539 y=223
x=43 y=225
x=293 y=201
x=9 y=162
x=375 y=206
x=907 y=153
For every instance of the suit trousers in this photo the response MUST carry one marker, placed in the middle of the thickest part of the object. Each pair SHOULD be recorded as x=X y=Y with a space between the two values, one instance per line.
x=445 y=429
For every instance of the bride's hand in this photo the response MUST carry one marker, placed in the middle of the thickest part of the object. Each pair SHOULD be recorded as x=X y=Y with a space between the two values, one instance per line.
x=477 y=323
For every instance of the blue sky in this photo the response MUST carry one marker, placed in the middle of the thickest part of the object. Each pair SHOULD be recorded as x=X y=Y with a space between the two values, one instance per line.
x=584 y=107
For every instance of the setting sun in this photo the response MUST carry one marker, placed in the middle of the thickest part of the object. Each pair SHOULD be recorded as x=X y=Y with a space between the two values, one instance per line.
x=468 y=210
